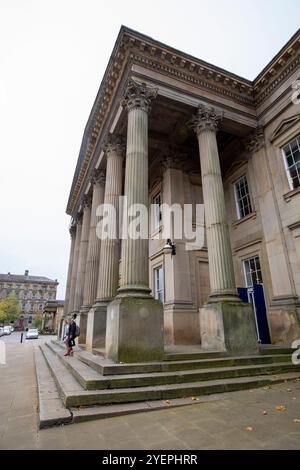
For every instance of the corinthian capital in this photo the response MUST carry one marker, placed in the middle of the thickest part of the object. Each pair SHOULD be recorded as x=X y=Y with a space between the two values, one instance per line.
x=138 y=96
x=86 y=201
x=255 y=141
x=205 y=118
x=98 y=176
x=115 y=144
x=72 y=229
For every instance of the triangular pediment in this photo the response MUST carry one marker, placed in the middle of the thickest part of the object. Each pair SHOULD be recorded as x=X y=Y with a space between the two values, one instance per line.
x=285 y=125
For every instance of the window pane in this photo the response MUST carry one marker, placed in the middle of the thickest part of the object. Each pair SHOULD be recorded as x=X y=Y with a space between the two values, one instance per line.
x=294 y=146
x=296 y=156
x=252 y=271
x=242 y=197
x=292 y=157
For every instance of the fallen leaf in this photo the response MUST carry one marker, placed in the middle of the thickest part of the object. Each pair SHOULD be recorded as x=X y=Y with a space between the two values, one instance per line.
x=167 y=402
x=289 y=390
x=249 y=429
x=264 y=412
x=280 y=408
x=297 y=421
x=195 y=398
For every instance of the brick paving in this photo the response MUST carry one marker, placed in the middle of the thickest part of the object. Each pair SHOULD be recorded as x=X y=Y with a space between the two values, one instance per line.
x=239 y=420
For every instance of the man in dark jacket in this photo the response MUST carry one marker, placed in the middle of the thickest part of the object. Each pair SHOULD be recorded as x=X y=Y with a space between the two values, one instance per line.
x=71 y=336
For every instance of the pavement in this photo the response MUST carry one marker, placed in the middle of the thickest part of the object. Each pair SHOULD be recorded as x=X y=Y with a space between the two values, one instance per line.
x=266 y=418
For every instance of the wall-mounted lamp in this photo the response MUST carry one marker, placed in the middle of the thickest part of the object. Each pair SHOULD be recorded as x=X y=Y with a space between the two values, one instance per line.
x=169 y=248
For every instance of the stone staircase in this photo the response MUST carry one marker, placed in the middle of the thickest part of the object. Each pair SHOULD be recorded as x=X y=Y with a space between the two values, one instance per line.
x=88 y=386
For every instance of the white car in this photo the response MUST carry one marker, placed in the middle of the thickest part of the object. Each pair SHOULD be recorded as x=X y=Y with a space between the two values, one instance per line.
x=33 y=333
x=7 y=330
x=1 y=331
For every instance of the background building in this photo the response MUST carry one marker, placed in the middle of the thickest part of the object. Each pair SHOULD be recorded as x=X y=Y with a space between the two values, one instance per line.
x=53 y=316
x=31 y=291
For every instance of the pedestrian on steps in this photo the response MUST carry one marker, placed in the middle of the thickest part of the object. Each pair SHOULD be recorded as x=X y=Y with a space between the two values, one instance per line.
x=71 y=336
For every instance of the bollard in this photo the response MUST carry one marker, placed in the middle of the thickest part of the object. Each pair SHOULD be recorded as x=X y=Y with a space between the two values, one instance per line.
x=21 y=338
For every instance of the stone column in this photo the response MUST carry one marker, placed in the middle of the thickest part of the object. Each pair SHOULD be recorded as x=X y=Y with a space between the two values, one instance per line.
x=135 y=319
x=71 y=260
x=226 y=323
x=82 y=266
x=94 y=243
x=110 y=244
x=75 y=266
x=93 y=257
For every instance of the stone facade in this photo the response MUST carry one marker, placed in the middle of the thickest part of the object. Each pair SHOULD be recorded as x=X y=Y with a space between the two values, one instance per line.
x=193 y=134
x=32 y=292
x=53 y=317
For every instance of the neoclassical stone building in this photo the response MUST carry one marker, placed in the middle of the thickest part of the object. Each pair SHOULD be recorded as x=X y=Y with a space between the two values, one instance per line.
x=167 y=128
x=31 y=291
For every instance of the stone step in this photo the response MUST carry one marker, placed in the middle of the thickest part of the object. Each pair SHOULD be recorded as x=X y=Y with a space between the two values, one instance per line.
x=109 y=368
x=85 y=405
x=179 y=361
x=191 y=356
x=88 y=413
x=162 y=392
x=51 y=410
x=91 y=380
x=275 y=350
x=65 y=381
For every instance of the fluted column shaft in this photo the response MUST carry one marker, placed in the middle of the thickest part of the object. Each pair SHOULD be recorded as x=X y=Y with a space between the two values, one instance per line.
x=75 y=267
x=135 y=252
x=222 y=280
x=110 y=247
x=69 y=277
x=82 y=256
x=94 y=244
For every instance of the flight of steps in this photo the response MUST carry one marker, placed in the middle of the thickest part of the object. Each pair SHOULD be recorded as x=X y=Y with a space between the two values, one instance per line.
x=88 y=386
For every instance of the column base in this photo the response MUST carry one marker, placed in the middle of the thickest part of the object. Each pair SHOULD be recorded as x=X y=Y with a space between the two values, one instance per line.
x=135 y=330
x=82 y=322
x=284 y=321
x=96 y=326
x=228 y=326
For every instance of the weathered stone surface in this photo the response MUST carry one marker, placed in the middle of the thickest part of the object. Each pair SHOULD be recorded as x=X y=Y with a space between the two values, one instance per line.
x=51 y=408
x=228 y=326
x=134 y=330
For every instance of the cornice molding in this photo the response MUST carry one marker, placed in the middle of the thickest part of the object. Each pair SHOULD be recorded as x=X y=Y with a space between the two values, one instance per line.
x=283 y=65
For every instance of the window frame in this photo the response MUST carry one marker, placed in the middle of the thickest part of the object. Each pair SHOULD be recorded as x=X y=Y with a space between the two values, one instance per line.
x=248 y=260
x=286 y=165
x=157 y=214
x=161 y=291
x=239 y=200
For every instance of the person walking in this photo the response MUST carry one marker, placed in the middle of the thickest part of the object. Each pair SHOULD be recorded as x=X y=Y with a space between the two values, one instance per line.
x=71 y=335
x=65 y=333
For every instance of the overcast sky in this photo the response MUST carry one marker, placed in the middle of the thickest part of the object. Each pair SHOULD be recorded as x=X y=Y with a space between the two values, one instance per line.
x=52 y=58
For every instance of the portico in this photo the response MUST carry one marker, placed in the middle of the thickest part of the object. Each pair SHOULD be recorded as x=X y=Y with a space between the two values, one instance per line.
x=168 y=128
